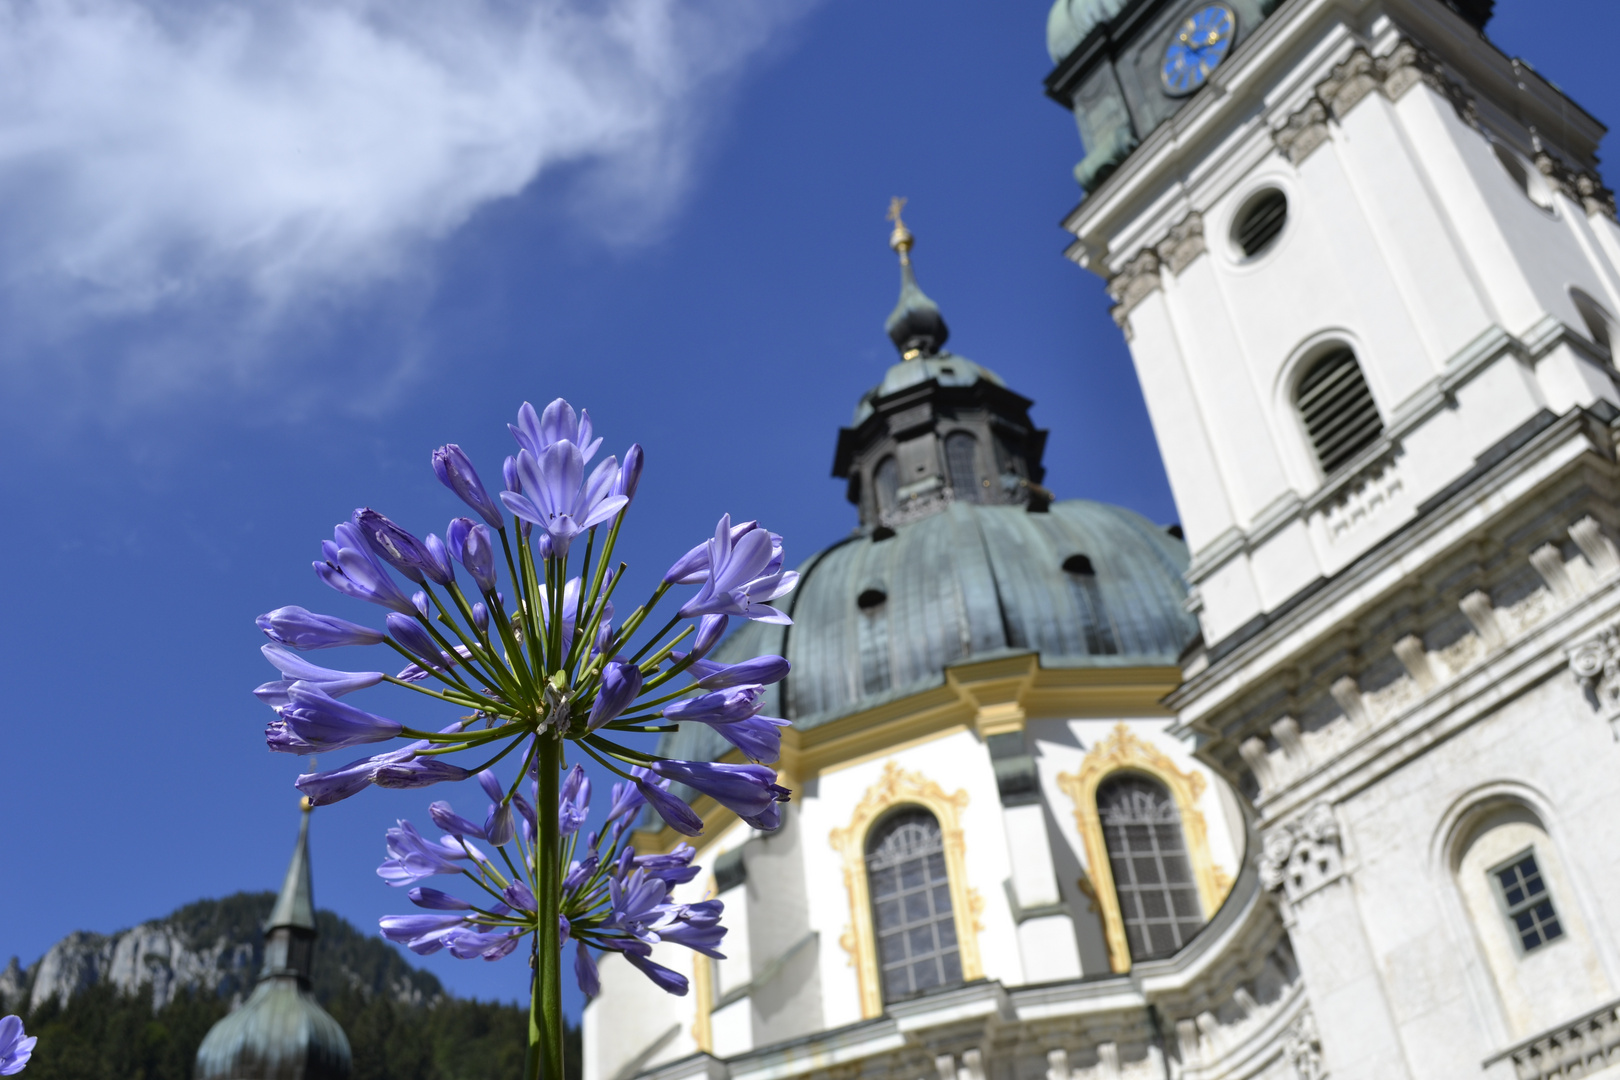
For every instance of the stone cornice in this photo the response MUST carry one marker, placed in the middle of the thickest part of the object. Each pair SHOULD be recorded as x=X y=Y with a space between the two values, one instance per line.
x=1385 y=569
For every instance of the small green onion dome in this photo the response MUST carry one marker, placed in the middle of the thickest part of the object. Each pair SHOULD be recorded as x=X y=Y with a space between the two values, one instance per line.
x=281 y=1032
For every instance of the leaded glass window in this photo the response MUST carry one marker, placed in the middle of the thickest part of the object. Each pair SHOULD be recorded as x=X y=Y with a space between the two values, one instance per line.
x=1528 y=904
x=1158 y=899
x=911 y=905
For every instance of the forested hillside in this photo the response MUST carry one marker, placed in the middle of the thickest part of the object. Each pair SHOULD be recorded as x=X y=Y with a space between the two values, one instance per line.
x=135 y=1005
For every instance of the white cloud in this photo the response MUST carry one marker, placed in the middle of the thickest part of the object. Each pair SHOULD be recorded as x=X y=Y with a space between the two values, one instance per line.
x=156 y=152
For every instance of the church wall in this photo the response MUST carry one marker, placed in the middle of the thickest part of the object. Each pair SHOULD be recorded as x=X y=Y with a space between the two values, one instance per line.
x=1403 y=874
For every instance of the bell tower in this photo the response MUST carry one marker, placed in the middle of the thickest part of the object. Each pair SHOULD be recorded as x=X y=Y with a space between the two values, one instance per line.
x=1368 y=273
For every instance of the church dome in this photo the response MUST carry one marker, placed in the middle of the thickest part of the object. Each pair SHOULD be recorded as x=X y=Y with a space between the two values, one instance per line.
x=1084 y=584
x=279 y=1033
x=1069 y=21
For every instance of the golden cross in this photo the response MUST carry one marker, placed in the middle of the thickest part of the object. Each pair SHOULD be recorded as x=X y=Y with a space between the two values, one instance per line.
x=896 y=204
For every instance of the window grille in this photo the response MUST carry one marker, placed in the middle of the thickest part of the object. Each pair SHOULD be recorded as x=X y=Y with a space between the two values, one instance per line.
x=1261 y=222
x=911 y=905
x=1528 y=905
x=961 y=459
x=1338 y=409
x=1153 y=881
x=886 y=481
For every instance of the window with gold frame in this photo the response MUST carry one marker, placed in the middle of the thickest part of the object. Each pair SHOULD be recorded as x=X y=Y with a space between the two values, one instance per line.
x=897 y=788
x=1124 y=753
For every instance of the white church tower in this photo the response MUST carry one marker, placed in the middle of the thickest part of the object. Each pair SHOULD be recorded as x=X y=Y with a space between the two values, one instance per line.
x=1368 y=274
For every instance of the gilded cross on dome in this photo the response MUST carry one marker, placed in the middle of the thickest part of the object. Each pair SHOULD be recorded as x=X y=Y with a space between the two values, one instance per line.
x=900 y=238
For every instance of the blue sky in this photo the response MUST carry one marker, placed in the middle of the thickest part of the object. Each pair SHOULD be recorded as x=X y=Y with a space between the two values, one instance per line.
x=253 y=269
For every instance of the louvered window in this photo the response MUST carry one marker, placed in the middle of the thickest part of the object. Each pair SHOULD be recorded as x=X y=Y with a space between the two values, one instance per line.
x=1153 y=881
x=1261 y=222
x=962 y=459
x=911 y=905
x=1338 y=409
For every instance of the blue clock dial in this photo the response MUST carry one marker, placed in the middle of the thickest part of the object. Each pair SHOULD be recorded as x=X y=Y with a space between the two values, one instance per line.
x=1201 y=43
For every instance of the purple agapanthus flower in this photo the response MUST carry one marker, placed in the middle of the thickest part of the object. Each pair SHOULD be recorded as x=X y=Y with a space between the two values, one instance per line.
x=762 y=670
x=575 y=801
x=557 y=496
x=558 y=423
x=352 y=569
x=393 y=545
x=413 y=858
x=734 y=714
x=473 y=547
x=749 y=791
x=300 y=628
x=455 y=470
x=296 y=669
x=434 y=900
x=621 y=685
x=314 y=722
x=743 y=576
x=16 y=1046
x=676 y=814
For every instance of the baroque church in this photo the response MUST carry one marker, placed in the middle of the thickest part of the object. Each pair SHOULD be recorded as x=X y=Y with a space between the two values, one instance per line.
x=1312 y=790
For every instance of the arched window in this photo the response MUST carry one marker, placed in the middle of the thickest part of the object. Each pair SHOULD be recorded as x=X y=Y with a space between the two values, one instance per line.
x=1153 y=880
x=961 y=460
x=1337 y=408
x=911 y=904
x=1520 y=898
x=886 y=482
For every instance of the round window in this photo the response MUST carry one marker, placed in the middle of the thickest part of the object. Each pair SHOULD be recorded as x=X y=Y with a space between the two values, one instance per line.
x=1260 y=222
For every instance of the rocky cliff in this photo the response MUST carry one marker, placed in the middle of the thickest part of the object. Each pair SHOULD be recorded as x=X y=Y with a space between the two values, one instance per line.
x=212 y=946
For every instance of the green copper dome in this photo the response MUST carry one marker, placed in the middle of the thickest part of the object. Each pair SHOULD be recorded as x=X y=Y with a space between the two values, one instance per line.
x=1069 y=21
x=1083 y=584
x=281 y=1032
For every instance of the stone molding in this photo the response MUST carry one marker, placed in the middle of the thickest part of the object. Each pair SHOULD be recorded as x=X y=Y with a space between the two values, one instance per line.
x=1352 y=80
x=1583 y=1047
x=1133 y=284
x=1584 y=188
x=1141 y=275
x=1303 y=856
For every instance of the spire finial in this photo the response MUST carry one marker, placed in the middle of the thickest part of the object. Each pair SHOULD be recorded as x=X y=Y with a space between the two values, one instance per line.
x=900 y=239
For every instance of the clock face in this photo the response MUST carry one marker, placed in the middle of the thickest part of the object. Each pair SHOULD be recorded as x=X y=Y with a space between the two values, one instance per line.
x=1202 y=42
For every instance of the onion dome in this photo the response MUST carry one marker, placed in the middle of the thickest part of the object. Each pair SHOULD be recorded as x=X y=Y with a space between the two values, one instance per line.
x=1069 y=21
x=915 y=325
x=280 y=1032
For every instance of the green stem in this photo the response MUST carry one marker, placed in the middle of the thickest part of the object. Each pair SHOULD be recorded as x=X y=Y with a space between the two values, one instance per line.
x=545 y=1058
